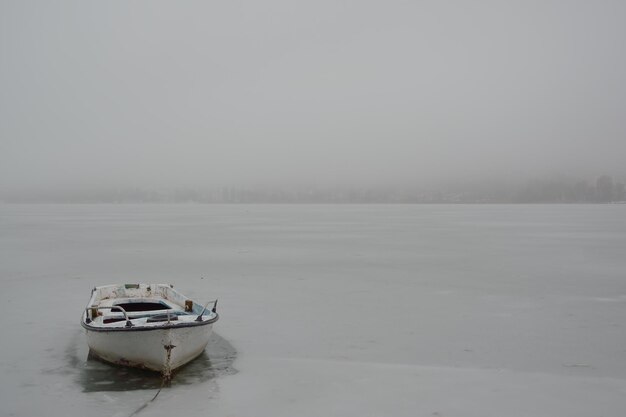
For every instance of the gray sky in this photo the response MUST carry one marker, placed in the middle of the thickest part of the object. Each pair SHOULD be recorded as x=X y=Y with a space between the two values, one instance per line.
x=204 y=93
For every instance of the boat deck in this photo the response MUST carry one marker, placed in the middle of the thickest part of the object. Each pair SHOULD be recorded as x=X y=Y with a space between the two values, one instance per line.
x=143 y=305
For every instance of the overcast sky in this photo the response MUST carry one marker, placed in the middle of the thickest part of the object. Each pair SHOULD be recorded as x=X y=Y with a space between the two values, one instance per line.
x=205 y=93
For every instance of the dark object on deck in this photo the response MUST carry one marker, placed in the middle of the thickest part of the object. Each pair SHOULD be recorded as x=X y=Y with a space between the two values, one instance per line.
x=143 y=306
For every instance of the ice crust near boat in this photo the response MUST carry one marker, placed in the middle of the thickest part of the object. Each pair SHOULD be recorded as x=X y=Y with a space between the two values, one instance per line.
x=435 y=311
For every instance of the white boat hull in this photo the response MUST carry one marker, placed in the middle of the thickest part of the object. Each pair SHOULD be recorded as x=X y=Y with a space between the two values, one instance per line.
x=161 y=350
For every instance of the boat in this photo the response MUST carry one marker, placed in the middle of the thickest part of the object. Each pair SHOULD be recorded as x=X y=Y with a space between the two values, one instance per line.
x=148 y=326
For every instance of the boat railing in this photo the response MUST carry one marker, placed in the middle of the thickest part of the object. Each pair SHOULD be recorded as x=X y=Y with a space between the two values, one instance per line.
x=214 y=309
x=94 y=310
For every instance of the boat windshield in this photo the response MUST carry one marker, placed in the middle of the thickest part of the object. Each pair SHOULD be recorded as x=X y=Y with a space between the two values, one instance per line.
x=143 y=306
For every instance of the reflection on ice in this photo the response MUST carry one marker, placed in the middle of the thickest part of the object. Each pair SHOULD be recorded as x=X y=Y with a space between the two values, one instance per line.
x=94 y=375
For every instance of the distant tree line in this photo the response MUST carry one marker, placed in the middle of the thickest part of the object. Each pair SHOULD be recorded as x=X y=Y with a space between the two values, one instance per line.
x=603 y=190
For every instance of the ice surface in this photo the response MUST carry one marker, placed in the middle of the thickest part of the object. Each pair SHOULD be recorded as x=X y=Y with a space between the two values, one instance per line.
x=328 y=310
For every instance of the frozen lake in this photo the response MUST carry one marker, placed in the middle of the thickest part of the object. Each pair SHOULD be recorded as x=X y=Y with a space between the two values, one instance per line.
x=425 y=310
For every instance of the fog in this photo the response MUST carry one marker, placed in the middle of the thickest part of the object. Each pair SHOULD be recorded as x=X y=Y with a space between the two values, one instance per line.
x=195 y=93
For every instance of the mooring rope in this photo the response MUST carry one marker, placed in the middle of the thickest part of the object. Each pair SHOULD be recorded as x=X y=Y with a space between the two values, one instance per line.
x=164 y=380
x=166 y=376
